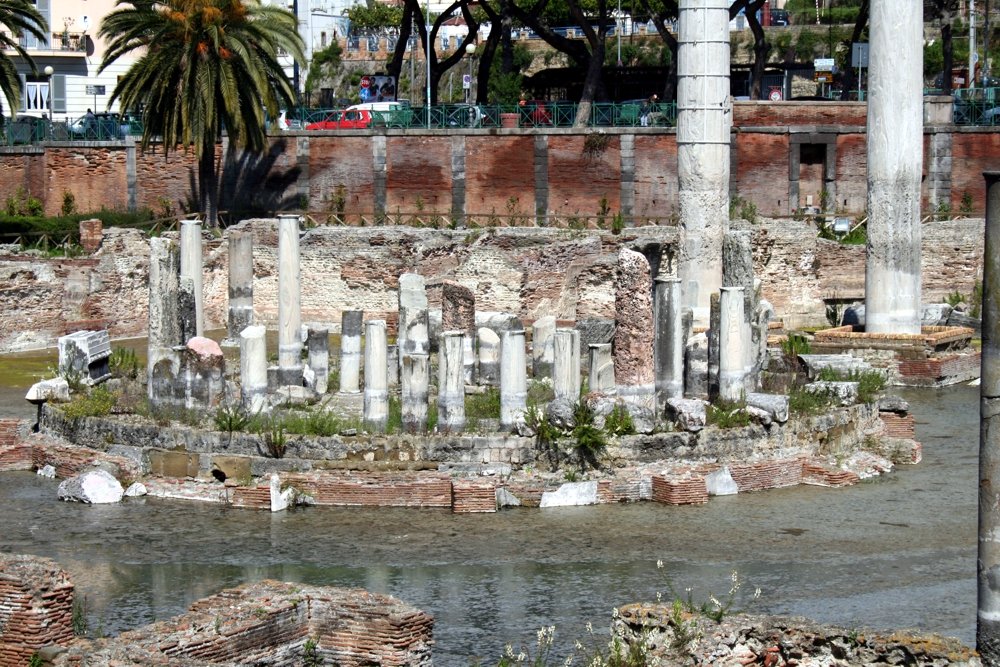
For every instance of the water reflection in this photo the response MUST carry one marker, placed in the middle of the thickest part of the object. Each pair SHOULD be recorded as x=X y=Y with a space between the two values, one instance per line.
x=899 y=551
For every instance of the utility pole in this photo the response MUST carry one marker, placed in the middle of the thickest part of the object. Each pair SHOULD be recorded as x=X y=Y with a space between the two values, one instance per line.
x=973 y=52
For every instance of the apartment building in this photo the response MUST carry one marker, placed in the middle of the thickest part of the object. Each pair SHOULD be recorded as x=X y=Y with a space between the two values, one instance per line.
x=65 y=81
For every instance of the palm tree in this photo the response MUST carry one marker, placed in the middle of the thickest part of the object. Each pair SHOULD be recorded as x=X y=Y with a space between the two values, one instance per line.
x=205 y=66
x=17 y=17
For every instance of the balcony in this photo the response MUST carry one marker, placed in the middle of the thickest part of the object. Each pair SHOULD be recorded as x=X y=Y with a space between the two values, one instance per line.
x=69 y=41
x=63 y=43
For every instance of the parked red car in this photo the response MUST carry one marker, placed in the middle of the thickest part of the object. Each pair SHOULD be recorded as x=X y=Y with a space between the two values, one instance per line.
x=351 y=119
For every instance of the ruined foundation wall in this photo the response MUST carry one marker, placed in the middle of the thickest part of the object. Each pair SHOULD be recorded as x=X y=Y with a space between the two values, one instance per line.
x=36 y=607
x=527 y=272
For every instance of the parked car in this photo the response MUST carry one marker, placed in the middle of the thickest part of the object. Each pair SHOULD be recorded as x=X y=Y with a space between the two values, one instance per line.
x=362 y=116
x=101 y=126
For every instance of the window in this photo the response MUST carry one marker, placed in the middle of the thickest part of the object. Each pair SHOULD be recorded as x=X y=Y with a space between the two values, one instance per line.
x=322 y=40
x=39 y=91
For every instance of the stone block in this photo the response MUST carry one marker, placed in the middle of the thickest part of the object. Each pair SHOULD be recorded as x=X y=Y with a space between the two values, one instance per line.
x=95 y=487
x=721 y=483
x=843 y=364
x=691 y=414
x=54 y=389
x=776 y=405
x=571 y=494
x=173 y=463
x=843 y=393
x=233 y=467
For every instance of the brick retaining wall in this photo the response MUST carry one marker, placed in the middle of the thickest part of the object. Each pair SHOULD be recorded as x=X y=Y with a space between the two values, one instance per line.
x=36 y=607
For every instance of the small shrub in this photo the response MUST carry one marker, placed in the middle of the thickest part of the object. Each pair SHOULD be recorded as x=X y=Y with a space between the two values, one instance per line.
x=483 y=406
x=546 y=435
x=540 y=391
x=619 y=421
x=124 y=363
x=98 y=402
x=870 y=382
x=617 y=224
x=68 y=203
x=275 y=440
x=394 y=419
x=726 y=414
x=804 y=402
x=231 y=417
x=310 y=653
x=590 y=440
x=81 y=626
x=965 y=208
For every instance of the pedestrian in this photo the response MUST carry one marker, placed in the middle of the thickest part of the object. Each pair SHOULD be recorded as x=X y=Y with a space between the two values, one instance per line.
x=90 y=124
x=646 y=109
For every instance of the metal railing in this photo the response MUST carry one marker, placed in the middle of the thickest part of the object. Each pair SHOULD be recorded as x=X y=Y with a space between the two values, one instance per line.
x=27 y=130
x=532 y=114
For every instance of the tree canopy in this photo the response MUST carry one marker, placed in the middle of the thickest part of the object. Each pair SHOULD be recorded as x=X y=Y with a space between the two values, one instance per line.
x=17 y=17
x=205 y=66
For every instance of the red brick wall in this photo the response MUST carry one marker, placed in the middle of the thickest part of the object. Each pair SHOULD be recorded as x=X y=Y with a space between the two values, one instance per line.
x=36 y=607
x=762 y=171
x=852 y=172
x=11 y=430
x=898 y=426
x=655 y=175
x=374 y=489
x=767 y=474
x=91 y=233
x=683 y=491
x=581 y=174
x=473 y=496
x=96 y=176
x=418 y=174
x=971 y=154
x=348 y=162
x=496 y=169
x=163 y=180
x=759 y=114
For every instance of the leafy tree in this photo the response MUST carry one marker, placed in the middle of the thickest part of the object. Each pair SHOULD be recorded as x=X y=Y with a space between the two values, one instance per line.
x=324 y=65
x=17 y=17
x=374 y=17
x=205 y=66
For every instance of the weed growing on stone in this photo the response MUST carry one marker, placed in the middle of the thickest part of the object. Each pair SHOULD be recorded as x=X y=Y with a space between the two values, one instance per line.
x=802 y=402
x=591 y=441
x=275 y=441
x=124 y=363
x=540 y=391
x=317 y=422
x=870 y=382
x=546 y=434
x=310 y=653
x=727 y=414
x=619 y=421
x=231 y=417
x=483 y=406
x=98 y=402
x=81 y=626
x=712 y=607
x=35 y=660
x=394 y=420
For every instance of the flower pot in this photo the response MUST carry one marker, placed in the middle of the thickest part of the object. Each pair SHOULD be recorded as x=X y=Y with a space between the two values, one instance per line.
x=509 y=119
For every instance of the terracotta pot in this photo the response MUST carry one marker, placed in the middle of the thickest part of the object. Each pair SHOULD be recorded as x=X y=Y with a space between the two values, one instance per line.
x=509 y=119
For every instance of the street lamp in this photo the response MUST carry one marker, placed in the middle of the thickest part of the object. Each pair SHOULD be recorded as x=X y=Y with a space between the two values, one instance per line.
x=470 y=50
x=48 y=97
x=427 y=57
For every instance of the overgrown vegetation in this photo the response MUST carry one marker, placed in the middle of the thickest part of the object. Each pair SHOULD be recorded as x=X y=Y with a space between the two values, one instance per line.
x=98 y=402
x=742 y=209
x=124 y=363
x=727 y=414
x=619 y=421
x=870 y=382
x=590 y=441
x=973 y=301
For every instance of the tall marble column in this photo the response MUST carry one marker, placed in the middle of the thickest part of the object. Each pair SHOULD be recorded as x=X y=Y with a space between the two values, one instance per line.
x=240 y=285
x=289 y=308
x=633 y=342
x=513 y=379
x=668 y=340
x=318 y=344
x=164 y=317
x=192 y=267
x=566 y=366
x=542 y=353
x=731 y=345
x=451 y=382
x=704 y=124
x=351 y=325
x=253 y=368
x=489 y=357
x=895 y=167
x=376 y=396
x=458 y=313
x=414 y=383
x=988 y=562
x=413 y=336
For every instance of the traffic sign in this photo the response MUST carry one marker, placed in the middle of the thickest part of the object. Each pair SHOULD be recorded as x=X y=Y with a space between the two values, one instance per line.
x=823 y=64
x=859 y=54
x=466 y=81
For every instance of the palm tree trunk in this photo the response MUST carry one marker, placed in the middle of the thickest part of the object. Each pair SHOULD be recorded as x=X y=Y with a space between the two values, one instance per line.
x=208 y=185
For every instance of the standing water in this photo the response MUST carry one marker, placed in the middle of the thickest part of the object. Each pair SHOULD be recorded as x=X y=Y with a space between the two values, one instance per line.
x=894 y=552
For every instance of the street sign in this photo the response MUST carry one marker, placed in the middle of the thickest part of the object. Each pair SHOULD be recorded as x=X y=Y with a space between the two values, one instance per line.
x=823 y=64
x=95 y=90
x=859 y=54
x=823 y=77
x=466 y=81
